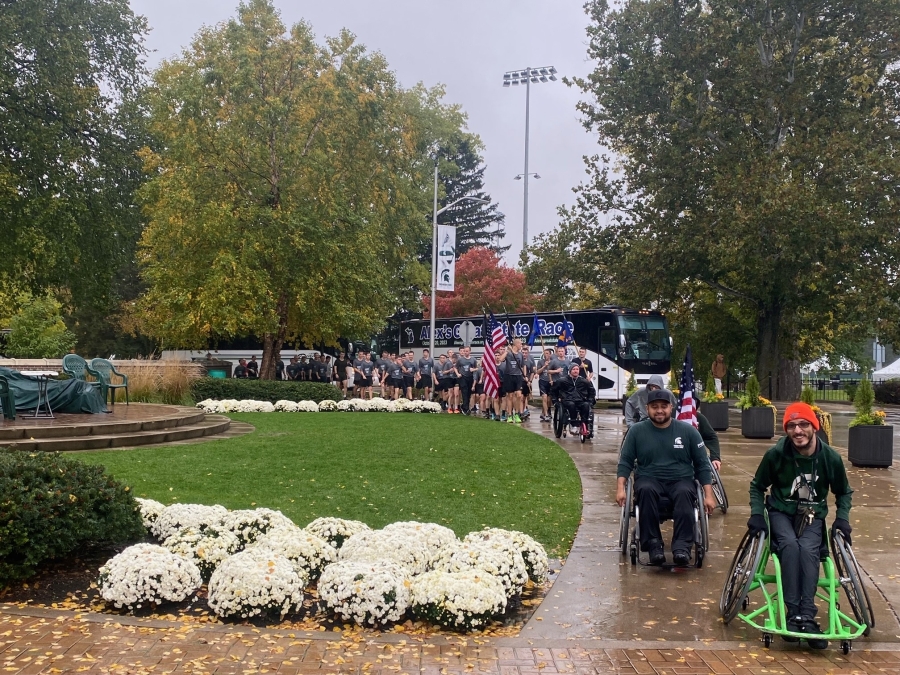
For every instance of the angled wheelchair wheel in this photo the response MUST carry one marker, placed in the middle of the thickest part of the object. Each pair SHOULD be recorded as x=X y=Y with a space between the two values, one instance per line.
x=625 y=517
x=851 y=579
x=719 y=490
x=558 y=420
x=741 y=573
x=702 y=544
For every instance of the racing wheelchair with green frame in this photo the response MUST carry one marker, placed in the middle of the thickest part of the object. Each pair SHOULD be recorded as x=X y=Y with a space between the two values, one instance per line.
x=750 y=571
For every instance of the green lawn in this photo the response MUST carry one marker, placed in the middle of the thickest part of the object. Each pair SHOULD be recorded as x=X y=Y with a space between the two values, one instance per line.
x=378 y=468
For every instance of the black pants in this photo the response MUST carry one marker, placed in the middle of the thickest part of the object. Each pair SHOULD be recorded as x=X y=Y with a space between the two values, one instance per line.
x=799 y=558
x=681 y=493
x=466 y=382
x=582 y=409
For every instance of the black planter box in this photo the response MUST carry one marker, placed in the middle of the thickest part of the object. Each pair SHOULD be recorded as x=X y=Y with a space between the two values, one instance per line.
x=758 y=422
x=716 y=413
x=871 y=445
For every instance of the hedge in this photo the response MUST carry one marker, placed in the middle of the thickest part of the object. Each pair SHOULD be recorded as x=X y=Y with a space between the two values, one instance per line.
x=51 y=505
x=888 y=392
x=262 y=390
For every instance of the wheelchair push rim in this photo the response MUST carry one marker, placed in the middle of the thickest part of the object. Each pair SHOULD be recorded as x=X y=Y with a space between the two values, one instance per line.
x=719 y=490
x=851 y=579
x=741 y=574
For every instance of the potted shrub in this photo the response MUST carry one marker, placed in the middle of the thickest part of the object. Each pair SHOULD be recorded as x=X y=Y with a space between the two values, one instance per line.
x=714 y=406
x=871 y=440
x=824 y=432
x=757 y=413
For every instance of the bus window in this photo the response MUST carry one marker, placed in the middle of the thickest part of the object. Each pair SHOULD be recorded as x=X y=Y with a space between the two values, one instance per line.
x=645 y=337
x=657 y=338
x=608 y=343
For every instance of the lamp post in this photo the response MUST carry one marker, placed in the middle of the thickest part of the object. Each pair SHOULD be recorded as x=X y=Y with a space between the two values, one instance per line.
x=434 y=246
x=527 y=77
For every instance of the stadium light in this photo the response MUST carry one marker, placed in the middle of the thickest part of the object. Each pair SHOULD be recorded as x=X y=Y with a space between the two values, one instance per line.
x=527 y=77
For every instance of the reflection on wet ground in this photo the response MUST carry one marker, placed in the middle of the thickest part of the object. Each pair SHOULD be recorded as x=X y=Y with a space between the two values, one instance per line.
x=600 y=595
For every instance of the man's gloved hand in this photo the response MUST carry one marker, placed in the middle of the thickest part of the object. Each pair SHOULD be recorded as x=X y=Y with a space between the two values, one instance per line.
x=844 y=526
x=757 y=523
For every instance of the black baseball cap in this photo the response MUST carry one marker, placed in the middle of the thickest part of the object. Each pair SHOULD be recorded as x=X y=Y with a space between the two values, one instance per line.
x=658 y=395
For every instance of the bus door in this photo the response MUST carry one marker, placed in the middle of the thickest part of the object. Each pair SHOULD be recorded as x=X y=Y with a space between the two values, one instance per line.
x=606 y=368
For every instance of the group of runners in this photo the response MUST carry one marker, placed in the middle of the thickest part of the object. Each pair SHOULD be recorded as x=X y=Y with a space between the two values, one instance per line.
x=457 y=379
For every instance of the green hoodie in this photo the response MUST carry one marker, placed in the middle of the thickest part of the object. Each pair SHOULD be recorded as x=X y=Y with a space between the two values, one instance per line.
x=777 y=473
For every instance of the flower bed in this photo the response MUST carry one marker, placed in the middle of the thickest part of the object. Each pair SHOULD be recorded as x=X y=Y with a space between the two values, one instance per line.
x=258 y=563
x=350 y=405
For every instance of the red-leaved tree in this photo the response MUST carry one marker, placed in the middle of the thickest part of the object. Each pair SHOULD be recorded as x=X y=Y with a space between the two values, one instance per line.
x=482 y=281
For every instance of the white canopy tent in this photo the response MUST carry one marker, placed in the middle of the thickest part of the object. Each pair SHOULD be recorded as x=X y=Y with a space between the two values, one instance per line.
x=889 y=372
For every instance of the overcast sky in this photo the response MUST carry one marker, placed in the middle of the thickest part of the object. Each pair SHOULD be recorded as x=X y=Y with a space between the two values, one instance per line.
x=466 y=45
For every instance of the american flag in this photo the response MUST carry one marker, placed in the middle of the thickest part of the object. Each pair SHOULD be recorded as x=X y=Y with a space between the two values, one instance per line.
x=496 y=340
x=687 y=404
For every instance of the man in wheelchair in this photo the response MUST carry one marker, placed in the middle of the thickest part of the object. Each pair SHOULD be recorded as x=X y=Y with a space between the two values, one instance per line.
x=577 y=395
x=666 y=455
x=798 y=472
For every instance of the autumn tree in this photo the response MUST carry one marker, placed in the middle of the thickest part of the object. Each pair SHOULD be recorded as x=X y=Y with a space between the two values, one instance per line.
x=289 y=196
x=482 y=282
x=755 y=149
x=70 y=76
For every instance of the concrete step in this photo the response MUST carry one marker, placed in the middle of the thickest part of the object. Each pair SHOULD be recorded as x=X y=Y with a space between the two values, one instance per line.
x=180 y=417
x=208 y=425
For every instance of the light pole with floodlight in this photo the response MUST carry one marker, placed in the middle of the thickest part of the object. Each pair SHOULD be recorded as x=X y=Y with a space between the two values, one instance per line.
x=434 y=246
x=527 y=77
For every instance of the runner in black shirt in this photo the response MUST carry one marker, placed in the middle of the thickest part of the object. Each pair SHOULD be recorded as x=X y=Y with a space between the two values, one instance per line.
x=340 y=371
x=465 y=366
x=253 y=367
x=512 y=381
x=293 y=369
x=425 y=375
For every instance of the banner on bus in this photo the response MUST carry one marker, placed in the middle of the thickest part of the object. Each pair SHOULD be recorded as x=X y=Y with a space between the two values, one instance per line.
x=446 y=258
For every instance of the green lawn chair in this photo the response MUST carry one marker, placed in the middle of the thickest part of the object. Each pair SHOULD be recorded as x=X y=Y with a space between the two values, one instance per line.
x=7 y=400
x=77 y=368
x=107 y=370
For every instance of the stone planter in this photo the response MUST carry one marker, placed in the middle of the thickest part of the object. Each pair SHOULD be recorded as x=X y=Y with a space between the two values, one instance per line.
x=758 y=422
x=716 y=413
x=871 y=445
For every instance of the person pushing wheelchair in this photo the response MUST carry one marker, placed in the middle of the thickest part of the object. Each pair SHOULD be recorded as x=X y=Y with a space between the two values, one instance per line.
x=666 y=456
x=577 y=394
x=798 y=471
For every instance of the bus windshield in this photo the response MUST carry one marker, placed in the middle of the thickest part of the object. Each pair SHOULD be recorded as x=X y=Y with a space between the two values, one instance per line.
x=646 y=338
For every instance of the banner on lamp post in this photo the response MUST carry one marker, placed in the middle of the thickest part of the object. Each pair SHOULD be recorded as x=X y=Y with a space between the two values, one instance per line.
x=446 y=258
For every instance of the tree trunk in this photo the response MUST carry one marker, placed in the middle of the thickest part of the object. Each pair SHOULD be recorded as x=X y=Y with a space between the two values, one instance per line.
x=272 y=342
x=779 y=376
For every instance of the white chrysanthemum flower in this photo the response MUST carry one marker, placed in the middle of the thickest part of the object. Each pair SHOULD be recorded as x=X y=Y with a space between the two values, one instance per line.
x=230 y=405
x=435 y=537
x=206 y=548
x=537 y=564
x=310 y=552
x=248 y=524
x=176 y=517
x=328 y=406
x=457 y=600
x=378 y=404
x=146 y=573
x=500 y=558
x=336 y=530
x=256 y=582
x=344 y=406
x=368 y=593
x=431 y=407
x=150 y=510
x=391 y=407
x=399 y=547
x=359 y=405
x=285 y=406
x=308 y=406
x=402 y=404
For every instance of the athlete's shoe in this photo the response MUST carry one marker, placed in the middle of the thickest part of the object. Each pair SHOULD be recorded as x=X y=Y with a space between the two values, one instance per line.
x=525 y=414
x=503 y=417
x=517 y=419
x=511 y=419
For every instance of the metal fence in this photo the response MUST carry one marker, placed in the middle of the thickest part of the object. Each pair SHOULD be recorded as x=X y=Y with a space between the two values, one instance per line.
x=824 y=389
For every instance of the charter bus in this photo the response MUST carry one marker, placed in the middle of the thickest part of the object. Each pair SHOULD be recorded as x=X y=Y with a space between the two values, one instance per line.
x=619 y=341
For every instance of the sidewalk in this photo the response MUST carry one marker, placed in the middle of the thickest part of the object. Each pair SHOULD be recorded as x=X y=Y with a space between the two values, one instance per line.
x=602 y=615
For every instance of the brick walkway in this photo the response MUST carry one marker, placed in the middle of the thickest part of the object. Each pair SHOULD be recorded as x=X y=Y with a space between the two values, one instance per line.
x=34 y=641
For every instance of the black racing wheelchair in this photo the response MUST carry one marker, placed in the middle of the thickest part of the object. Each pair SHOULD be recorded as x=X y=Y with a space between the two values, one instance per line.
x=718 y=489
x=561 y=422
x=629 y=541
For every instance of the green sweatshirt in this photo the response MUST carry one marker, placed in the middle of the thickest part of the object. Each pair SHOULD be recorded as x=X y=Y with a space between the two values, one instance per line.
x=674 y=453
x=710 y=437
x=778 y=474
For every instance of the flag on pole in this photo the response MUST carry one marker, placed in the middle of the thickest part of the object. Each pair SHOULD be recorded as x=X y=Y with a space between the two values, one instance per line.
x=494 y=340
x=687 y=404
x=565 y=337
x=534 y=331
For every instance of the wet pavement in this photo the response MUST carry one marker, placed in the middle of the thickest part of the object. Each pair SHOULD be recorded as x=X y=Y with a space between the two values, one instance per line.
x=599 y=595
x=601 y=617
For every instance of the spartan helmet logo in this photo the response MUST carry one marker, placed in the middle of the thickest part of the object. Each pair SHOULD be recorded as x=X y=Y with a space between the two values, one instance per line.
x=410 y=336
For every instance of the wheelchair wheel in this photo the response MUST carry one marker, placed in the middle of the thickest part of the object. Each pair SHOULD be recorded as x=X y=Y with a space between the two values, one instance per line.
x=558 y=420
x=625 y=517
x=719 y=490
x=740 y=575
x=850 y=574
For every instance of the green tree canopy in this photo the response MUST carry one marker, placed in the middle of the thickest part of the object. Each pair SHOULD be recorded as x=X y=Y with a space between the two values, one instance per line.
x=70 y=72
x=291 y=193
x=38 y=331
x=755 y=166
